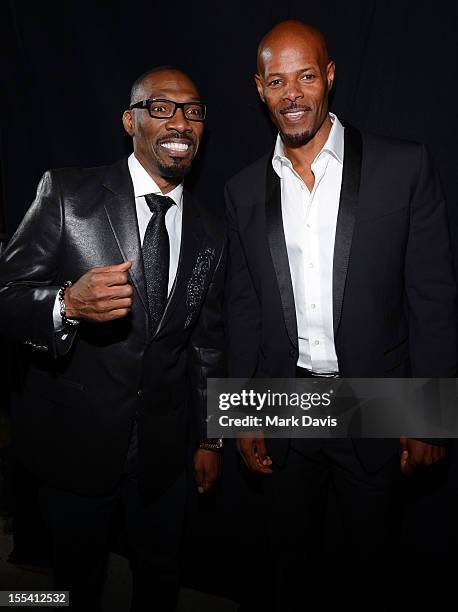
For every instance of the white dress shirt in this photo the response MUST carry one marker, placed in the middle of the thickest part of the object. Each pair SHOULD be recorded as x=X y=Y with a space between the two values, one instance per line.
x=309 y=221
x=144 y=184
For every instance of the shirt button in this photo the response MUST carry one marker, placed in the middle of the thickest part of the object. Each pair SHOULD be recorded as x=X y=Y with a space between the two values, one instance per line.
x=316 y=343
x=312 y=306
x=140 y=392
x=308 y=224
x=311 y=265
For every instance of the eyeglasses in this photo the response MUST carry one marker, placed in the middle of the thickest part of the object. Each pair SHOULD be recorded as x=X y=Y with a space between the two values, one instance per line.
x=165 y=109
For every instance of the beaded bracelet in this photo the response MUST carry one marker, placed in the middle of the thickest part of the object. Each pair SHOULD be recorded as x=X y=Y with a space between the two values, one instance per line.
x=66 y=322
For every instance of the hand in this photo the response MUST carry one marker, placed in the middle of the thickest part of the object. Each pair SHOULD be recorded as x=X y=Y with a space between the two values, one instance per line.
x=207 y=468
x=100 y=295
x=253 y=451
x=414 y=453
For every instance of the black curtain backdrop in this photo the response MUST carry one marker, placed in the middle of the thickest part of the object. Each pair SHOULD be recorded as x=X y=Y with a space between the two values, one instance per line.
x=68 y=66
x=67 y=69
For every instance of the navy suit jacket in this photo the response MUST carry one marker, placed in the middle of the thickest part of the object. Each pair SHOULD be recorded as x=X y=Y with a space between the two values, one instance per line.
x=394 y=308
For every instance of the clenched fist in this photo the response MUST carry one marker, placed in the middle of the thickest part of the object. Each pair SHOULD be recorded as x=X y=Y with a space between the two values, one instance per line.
x=100 y=295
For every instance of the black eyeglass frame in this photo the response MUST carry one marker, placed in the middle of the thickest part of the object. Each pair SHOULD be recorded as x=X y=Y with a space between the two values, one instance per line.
x=146 y=105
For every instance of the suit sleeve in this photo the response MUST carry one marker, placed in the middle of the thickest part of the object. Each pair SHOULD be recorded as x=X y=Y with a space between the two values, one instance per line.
x=242 y=310
x=207 y=358
x=28 y=273
x=430 y=280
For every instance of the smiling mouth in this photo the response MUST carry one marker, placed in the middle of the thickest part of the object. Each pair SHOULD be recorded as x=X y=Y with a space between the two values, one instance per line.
x=175 y=148
x=294 y=114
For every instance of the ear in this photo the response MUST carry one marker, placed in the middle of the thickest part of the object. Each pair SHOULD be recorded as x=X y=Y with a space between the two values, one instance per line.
x=128 y=122
x=259 y=86
x=330 y=73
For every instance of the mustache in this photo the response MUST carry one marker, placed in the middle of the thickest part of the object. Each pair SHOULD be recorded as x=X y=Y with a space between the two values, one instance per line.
x=295 y=107
x=176 y=136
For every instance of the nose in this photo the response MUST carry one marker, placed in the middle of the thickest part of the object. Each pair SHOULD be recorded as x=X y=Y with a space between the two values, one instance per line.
x=293 y=91
x=179 y=122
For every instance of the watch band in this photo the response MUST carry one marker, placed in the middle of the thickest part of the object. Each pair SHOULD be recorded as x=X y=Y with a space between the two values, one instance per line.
x=214 y=445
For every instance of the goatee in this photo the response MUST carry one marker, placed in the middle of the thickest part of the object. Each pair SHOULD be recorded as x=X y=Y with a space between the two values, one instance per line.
x=296 y=140
x=175 y=170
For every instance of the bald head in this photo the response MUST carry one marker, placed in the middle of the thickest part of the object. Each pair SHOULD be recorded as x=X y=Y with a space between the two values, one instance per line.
x=294 y=78
x=291 y=34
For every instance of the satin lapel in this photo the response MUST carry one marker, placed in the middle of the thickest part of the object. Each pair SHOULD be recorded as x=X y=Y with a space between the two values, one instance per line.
x=191 y=239
x=351 y=177
x=122 y=217
x=277 y=243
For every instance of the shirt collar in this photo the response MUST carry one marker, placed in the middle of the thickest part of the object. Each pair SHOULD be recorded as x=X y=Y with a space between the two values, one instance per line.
x=144 y=184
x=334 y=145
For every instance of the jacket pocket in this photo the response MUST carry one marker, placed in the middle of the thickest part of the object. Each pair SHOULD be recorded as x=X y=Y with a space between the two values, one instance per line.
x=55 y=388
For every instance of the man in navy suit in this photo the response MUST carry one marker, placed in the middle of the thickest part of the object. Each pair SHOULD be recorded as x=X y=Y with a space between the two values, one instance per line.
x=339 y=265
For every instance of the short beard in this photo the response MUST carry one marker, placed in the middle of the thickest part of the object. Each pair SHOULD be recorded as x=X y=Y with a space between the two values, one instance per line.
x=174 y=171
x=296 y=140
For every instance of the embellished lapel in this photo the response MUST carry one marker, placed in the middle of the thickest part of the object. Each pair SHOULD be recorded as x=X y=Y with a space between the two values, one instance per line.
x=122 y=217
x=192 y=235
x=351 y=177
x=277 y=244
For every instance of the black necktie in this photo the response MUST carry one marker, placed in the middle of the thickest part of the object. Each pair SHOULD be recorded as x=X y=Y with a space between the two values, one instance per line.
x=156 y=256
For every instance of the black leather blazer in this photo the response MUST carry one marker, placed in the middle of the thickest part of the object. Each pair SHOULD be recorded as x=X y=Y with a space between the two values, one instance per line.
x=80 y=391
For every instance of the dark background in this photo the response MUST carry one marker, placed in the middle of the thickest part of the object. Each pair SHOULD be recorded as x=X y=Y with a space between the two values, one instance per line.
x=66 y=72
x=68 y=66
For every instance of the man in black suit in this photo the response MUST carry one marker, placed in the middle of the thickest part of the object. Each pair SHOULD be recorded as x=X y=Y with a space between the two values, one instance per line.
x=114 y=281
x=339 y=265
